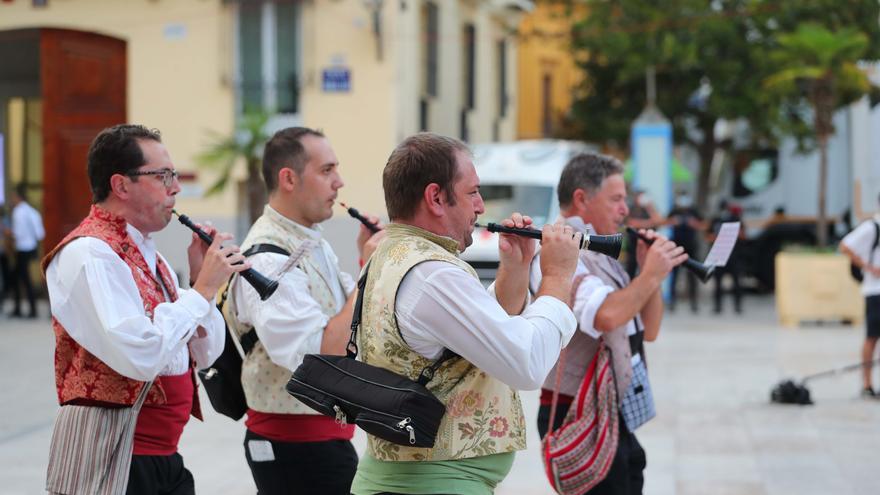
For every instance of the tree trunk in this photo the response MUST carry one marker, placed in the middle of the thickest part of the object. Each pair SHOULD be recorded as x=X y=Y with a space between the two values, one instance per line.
x=822 y=221
x=706 y=151
x=823 y=106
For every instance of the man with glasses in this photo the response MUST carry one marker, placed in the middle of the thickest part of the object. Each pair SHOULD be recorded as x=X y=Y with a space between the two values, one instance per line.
x=122 y=322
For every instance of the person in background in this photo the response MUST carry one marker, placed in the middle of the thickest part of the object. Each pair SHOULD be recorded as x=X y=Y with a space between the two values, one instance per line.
x=687 y=223
x=27 y=232
x=861 y=247
x=642 y=215
x=727 y=212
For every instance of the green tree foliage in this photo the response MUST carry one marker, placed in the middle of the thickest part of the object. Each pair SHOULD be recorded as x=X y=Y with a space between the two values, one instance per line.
x=817 y=67
x=712 y=58
x=245 y=144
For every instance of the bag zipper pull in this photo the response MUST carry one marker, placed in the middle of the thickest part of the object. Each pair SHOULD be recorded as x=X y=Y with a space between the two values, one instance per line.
x=210 y=374
x=340 y=416
x=405 y=425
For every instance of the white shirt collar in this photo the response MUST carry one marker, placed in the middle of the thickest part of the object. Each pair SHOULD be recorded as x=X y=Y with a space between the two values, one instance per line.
x=145 y=244
x=578 y=223
x=314 y=232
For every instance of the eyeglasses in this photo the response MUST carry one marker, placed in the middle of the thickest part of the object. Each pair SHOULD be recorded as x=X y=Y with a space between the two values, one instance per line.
x=166 y=174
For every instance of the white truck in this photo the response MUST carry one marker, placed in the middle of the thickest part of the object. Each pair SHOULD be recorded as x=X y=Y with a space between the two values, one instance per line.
x=518 y=176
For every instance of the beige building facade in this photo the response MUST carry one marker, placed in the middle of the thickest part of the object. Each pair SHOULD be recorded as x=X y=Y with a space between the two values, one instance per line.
x=547 y=73
x=366 y=72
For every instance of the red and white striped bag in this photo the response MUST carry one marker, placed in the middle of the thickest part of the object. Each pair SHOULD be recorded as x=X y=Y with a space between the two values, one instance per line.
x=91 y=449
x=578 y=455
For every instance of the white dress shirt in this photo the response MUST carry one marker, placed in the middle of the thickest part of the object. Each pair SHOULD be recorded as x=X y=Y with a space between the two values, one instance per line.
x=93 y=295
x=27 y=227
x=290 y=324
x=439 y=306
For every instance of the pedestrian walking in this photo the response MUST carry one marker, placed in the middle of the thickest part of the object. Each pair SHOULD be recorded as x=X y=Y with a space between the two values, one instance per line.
x=687 y=224
x=27 y=232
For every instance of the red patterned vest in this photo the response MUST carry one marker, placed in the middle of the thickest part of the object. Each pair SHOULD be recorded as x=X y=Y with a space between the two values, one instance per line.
x=79 y=375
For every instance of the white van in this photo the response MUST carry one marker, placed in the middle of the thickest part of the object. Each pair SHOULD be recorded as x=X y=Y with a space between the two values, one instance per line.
x=517 y=177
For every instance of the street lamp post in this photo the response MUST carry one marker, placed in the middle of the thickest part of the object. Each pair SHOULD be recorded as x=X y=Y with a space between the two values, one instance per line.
x=651 y=142
x=651 y=145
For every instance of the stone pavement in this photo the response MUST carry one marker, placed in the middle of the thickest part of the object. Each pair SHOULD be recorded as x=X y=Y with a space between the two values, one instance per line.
x=715 y=433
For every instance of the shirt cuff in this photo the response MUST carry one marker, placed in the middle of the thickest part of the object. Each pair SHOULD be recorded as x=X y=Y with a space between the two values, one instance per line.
x=587 y=315
x=196 y=305
x=526 y=301
x=557 y=312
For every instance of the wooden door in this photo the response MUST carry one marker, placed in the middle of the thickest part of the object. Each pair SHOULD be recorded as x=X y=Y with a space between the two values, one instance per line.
x=83 y=78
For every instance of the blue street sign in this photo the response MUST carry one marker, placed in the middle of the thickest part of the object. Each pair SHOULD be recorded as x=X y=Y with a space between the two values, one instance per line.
x=336 y=80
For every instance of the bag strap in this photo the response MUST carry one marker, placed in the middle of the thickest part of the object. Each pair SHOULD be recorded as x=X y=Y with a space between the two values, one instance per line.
x=265 y=248
x=250 y=338
x=427 y=373
x=876 y=241
x=560 y=366
x=142 y=396
x=351 y=349
x=555 y=400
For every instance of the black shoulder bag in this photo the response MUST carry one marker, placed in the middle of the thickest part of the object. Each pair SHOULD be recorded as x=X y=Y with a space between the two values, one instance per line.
x=382 y=403
x=222 y=381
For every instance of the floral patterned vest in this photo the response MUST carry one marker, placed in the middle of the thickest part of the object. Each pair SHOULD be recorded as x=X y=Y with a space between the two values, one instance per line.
x=483 y=415
x=79 y=375
x=263 y=381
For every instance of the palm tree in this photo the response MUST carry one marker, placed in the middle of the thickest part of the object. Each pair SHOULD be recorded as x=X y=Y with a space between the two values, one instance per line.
x=818 y=67
x=225 y=151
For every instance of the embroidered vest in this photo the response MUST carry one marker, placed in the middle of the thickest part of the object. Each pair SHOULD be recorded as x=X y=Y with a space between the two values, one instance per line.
x=262 y=380
x=79 y=375
x=483 y=415
x=581 y=348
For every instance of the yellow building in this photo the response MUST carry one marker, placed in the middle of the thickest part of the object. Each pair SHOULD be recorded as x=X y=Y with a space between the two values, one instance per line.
x=547 y=75
x=366 y=72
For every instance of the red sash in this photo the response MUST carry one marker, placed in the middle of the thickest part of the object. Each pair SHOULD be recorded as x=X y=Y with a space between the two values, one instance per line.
x=297 y=428
x=159 y=426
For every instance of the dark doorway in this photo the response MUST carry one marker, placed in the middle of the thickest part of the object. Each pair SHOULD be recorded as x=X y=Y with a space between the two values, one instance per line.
x=58 y=88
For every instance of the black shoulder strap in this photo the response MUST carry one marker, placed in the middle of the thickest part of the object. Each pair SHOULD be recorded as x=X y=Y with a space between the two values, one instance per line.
x=876 y=234
x=351 y=350
x=876 y=242
x=265 y=248
x=249 y=339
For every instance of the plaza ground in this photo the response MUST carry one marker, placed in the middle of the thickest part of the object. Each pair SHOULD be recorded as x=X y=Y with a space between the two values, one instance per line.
x=715 y=433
